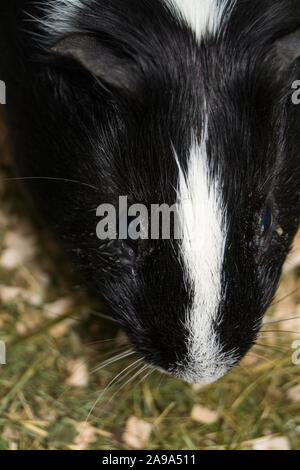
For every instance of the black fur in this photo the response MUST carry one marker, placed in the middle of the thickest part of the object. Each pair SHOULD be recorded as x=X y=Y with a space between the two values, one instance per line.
x=114 y=137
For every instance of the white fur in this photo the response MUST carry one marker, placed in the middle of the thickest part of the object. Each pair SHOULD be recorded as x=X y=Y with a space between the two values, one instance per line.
x=203 y=16
x=60 y=17
x=203 y=227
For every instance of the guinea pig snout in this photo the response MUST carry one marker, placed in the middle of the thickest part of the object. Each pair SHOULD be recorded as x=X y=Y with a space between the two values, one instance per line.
x=205 y=362
x=190 y=352
x=202 y=364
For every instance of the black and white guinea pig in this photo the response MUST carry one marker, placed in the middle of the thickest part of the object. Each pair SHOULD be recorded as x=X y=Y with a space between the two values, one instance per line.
x=164 y=101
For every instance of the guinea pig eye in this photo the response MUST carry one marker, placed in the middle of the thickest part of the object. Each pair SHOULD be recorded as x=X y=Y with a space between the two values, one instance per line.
x=267 y=220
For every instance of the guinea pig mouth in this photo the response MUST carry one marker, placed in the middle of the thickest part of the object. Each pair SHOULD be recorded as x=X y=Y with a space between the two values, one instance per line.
x=204 y=362
x=201 y=373
x=191 y=376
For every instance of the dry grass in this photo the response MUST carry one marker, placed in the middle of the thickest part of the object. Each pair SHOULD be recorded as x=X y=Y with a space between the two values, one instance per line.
x=48 y=386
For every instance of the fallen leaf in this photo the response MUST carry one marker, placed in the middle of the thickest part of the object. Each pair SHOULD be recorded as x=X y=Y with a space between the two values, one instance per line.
x=271 y=443
x=59 y=307
x=20 y=248
x=249 y=360
x=137 y=433
x=21 y=328
x=13 y=446
x=8 y=293
x=61 y=329
x=86 y=436
x=103 y=433
x=121 y=338
x=78 y=373
x=197 y=387
x=294 y=394
x=204 y=415
x=11 y=293
x=10 y=434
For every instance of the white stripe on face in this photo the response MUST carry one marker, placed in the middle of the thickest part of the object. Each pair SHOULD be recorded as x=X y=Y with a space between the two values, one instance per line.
x=203 y=224
x=203 y=16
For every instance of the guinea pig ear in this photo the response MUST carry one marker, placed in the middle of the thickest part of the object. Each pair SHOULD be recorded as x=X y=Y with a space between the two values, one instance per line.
x=288 y=49
x=98 y=59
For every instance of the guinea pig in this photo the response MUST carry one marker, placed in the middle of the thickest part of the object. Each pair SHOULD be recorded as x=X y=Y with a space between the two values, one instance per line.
x=167 y=102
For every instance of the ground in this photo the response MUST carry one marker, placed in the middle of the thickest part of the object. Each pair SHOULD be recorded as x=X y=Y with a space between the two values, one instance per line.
x=52 y=388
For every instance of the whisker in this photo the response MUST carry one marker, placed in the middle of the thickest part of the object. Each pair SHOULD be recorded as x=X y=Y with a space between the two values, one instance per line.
x=128 y=381
x=285 y=297
x=101 y=341
x=148 y=373
x=46 y=178
x=112 y=360
x=118 y=350
x=261 y=357
x=267 y=337
x=245 y=369
x=163 y=378
x=280 y=321
x=102 y=315
x=276 y=348
x=281 y=331
x=86 y=362
x=114 y=381
x=130 y=367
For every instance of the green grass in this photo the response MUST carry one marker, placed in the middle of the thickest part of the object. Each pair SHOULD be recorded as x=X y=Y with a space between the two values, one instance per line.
x=39 y=409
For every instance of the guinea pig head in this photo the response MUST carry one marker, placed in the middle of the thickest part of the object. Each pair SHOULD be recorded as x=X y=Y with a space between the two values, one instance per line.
x=206 y=126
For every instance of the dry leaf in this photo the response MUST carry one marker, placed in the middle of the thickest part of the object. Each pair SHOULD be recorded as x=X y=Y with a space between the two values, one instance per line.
x=121 y=338
x=20 y=248
x=61 y=329
x=198 y=387
x=137 y=433
x=294 y=394
x=204 y=415
x=103 y=433
x=11 y=293
x=13 y=445
x=46 y=412
x=86 y=436
x=21 y=328
x=59 y=307
x=10 y=434
x=249 y=360
x=271 y=443
x=78 y=373
x=8 y=294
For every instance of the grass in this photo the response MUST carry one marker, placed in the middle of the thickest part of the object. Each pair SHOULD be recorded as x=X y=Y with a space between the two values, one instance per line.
x=56 y=336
